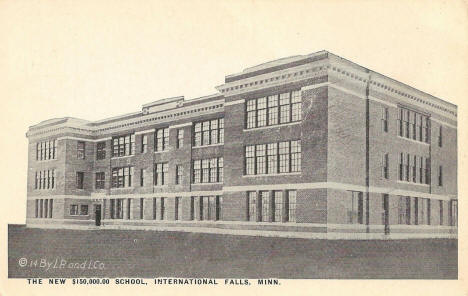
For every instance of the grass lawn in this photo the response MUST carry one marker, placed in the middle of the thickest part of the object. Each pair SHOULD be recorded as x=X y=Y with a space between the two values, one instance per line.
x=149 y=254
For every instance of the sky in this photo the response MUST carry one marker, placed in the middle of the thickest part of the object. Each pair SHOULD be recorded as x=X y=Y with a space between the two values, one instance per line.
x=98 y=59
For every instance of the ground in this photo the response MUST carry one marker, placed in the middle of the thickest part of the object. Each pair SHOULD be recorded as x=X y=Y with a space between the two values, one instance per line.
x=150 y=254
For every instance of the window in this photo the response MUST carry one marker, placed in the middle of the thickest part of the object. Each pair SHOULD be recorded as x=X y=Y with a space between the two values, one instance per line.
x=46 y=150
x=177 y=209
x=100 y=180
x=154 y=208
x=179 y=174
x=123 y=145
x=122 y=177
x=197 y=171
x=413 y=125
x=385 y=166
x=160 y=173
x=440 y=176
x=161 y=140
x=355 y=214
x=142 y=204
x=142 y=177
x=278 y=201
x=295 y=156
x=80 y=150
x=428 y=171
x=267 y=111
x=265 y=205
x=74 y=210
x=129 y=206
x=385 y=119
x=180 y=138
x=209 y=208
x=291 y=205
x=404 y=210
x=285 y=107
x=163 y=215
x=116 y=208
x=144 y=144
x=270 y=158
x=208 y=170
x=440 y=136
x=252 y=206
x=453 y=213
x=416 y=210
x=44 y=179
x=261 y=158
x=79 y=180
x=441 y=212
x=101 y=150
x=209 y=132
x=84 y=210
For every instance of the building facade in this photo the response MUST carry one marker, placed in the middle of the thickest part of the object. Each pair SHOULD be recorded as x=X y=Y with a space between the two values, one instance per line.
x=311 y=143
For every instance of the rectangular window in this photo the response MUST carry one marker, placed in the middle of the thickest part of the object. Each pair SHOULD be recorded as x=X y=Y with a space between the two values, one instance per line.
x=272 y=158
x=278 y=195
x=385 y=119
x=209 y=132
x=197 y=171
x=161 y=139
x=192 y=208
x=46 y=150
x=355 y=214
x=51 y=208
x=144 y=144
x=180 y=138
x=428 y=171
x=160 y=173
x=296 y=156
x=284 y=157
x=74 y=210
x=123 y=145
x=100 y=180
x=261 y=159
x=261 y=112
x=252 y=206
x=440 y=176
x=142 y=177
x=84 y=210
x=385 y=166
x=265 y=205
x=46 y=208
x=163 y=215
x=80 y=150
x=177 y=209
x=404 y=210
x=37 y=209
x=273 y=110
x=79 y=180
x=267 y=111
x=291 y=205
x=440 y=136
x=154 y=208
x=413 y=125
x=122 y=177
x=142 y=204
x=250 y=160
x=179 y=174
x=101 y=150
x=453 y=212
x=208 y=170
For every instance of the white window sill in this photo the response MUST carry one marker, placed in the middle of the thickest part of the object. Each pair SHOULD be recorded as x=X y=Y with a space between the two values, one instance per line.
x=272 y=126
x=45 y=160
x=412 y=140
x=114 y=188
x=211 y=145
x=208 y=183
x=412 y=183
x=272 y=175
x=162 y=151
x=120 y=157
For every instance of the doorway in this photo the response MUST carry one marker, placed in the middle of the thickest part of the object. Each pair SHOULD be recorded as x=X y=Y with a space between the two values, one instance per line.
x=97 y=214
